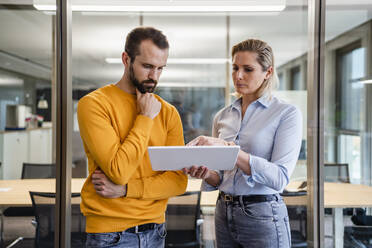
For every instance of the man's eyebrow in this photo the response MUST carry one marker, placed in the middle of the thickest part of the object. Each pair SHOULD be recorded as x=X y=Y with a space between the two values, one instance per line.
x=144 y=63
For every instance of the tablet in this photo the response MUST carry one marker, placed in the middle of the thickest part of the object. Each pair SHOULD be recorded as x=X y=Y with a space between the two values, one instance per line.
x=177 y=157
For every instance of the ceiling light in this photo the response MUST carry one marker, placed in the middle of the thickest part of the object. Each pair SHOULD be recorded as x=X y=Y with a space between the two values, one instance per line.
x=182 y=61
x=11 y=82
x=167 y=6
x=368 y=81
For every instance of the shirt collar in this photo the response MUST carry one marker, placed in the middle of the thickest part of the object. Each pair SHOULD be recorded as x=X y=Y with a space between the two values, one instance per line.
x=237 y=104
x=264 y=100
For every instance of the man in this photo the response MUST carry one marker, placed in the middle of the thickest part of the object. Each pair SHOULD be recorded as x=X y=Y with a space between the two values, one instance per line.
x=123 y=199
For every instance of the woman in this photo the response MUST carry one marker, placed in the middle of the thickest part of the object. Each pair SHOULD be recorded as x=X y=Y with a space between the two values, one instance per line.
x=249 y=210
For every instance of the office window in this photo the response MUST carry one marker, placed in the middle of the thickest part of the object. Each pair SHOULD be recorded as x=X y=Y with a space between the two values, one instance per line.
x=281 y=85
x=350 y=91
x=295 y=78
x=351 y=117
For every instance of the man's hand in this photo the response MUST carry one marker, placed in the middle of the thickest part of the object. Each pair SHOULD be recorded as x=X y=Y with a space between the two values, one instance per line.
x=105 y=188
x=207 y=141
x=147 y=104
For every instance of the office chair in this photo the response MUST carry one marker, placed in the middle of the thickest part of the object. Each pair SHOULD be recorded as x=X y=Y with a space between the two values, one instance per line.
x=336 y=172
x=183 y=220
x=44 y=208
x=360 y=234
x=29 y=171
x=37 y=171
x=297 y=214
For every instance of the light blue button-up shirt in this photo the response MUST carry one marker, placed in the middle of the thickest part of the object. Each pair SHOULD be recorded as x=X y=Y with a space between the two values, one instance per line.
x=271 y=132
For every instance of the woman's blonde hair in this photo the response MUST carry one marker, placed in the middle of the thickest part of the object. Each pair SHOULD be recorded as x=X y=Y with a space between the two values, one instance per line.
x=265 y=57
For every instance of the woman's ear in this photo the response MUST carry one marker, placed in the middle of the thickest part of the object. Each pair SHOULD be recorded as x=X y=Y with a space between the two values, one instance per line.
x=269 y=72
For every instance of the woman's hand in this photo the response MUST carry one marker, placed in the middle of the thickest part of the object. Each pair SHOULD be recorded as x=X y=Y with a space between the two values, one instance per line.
x=207 y=141
x=200 y=172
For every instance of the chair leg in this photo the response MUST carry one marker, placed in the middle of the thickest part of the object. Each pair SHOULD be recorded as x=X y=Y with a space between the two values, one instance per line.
x=15 y=242
x=2 y=229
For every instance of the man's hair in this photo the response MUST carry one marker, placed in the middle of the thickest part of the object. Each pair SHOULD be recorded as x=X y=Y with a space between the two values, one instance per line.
x=265 y=57
x=137 y=35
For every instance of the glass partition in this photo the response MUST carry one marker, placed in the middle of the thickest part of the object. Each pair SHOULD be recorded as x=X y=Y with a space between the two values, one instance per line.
x=197 y=73
x=347 y=111
x=27 y=142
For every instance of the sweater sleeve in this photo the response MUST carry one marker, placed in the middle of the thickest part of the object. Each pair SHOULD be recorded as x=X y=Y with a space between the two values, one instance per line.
x=168 y=183
x=117 y=159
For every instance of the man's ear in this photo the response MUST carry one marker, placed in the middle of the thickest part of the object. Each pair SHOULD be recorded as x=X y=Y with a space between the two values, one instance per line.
x=125 y=59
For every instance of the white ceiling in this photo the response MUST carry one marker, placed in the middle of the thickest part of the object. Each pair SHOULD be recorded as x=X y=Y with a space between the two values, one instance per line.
x=96 y=36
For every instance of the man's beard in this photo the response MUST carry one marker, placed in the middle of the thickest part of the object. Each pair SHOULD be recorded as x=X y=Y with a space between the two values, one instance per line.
x=141 y=85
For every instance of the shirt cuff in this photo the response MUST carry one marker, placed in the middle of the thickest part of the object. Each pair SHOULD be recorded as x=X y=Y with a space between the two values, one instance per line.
x=249 y=178
x=135 y=188
x=207 y=187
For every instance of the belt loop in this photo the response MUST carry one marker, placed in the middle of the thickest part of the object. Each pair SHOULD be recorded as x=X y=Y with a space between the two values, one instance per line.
x=136 y=229
x=241 y=201
x=277 y=197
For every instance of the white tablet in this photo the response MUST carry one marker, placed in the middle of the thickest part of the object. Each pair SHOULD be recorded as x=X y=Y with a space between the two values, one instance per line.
x=178 y=157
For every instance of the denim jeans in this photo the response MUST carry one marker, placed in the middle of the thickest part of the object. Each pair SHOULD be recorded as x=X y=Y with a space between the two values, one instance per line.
x=253 y=225
x=154 y=238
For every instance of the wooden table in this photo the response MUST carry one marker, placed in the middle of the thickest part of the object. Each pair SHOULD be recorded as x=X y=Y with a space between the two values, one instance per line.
x=336 y=195
x=16 y=192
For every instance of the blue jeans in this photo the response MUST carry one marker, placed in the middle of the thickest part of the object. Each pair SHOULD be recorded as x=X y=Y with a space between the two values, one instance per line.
x=154 y=238
x=253 y=225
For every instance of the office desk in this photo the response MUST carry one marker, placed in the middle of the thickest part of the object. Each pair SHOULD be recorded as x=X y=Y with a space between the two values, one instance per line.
x=336 y=195
x=15 y=192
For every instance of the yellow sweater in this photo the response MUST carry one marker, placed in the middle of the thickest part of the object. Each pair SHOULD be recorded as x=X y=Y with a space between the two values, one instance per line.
x=115 y=139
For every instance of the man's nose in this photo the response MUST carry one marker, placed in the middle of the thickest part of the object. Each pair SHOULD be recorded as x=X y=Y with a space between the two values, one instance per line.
x=154 y=75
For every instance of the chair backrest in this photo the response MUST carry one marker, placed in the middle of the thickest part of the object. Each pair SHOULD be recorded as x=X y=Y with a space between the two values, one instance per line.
x=44 y=208
x=181 y=217
x=35 y=171
x=336 y=172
